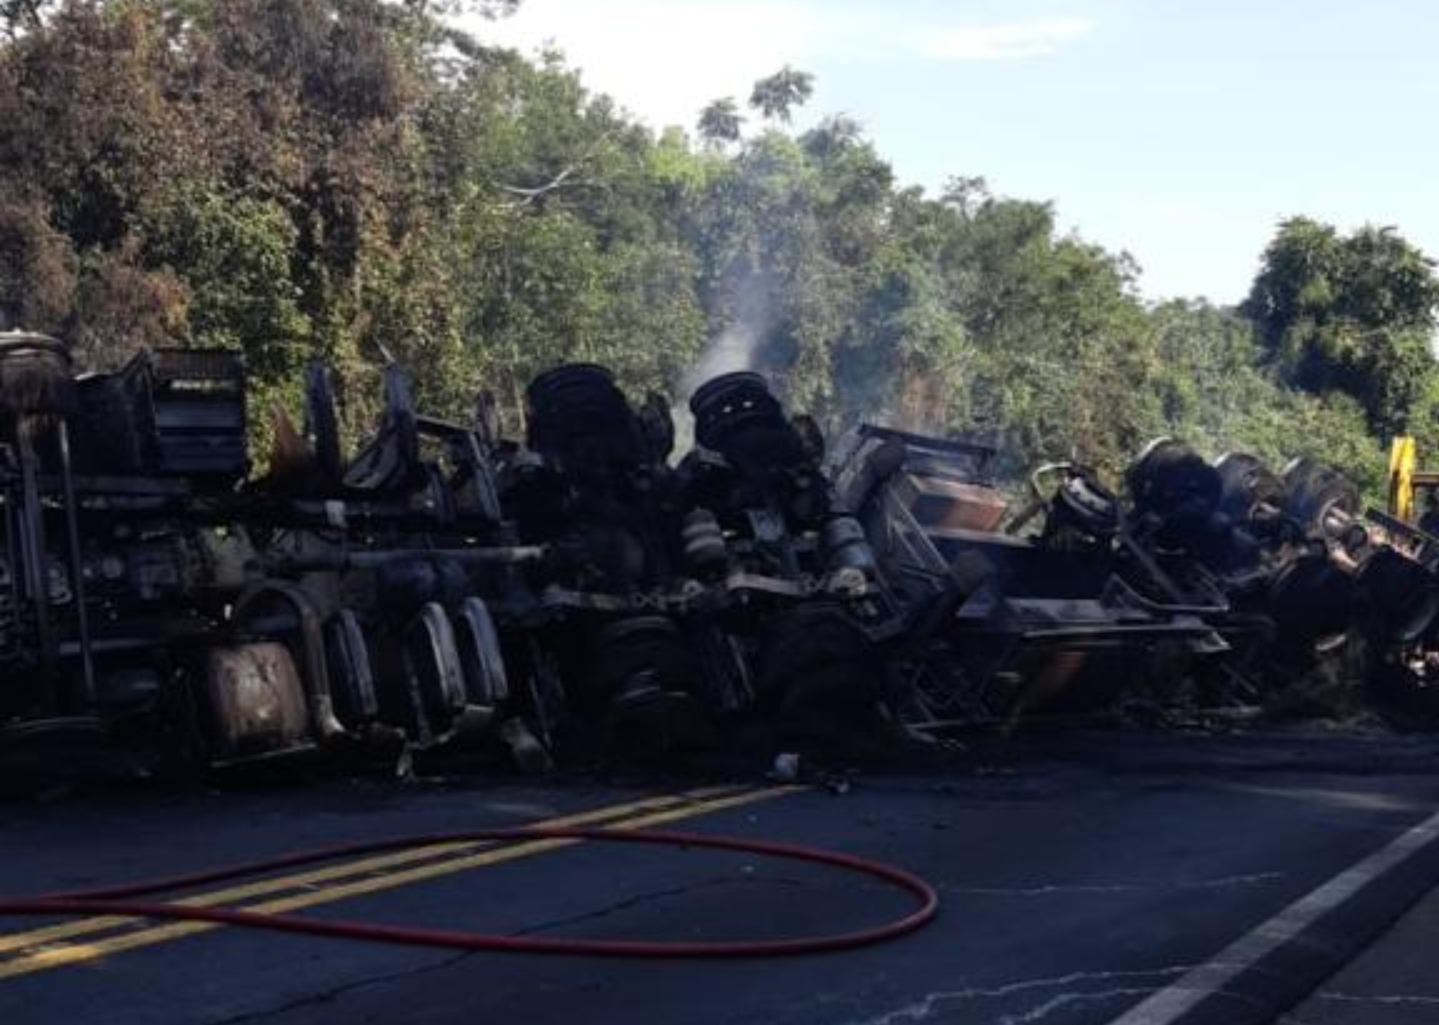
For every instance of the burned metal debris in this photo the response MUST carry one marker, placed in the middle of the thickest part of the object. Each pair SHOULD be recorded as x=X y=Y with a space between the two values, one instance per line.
x=1216 y=586
x=580 y=593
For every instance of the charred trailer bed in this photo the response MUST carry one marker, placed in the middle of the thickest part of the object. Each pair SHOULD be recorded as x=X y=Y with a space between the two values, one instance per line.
x=1001 y=627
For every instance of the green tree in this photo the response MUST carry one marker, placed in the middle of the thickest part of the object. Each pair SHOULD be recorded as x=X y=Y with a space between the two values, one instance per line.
x=355 y=178
x=721 y=121
x=776 y=96
x=38 y=268
x=1349 y=313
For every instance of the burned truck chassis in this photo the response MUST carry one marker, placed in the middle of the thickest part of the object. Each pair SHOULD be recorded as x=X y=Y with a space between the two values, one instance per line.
x=392 y=602
x=577 y=594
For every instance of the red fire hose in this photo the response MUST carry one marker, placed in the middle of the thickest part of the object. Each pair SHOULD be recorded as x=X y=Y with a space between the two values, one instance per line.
x=127 y=900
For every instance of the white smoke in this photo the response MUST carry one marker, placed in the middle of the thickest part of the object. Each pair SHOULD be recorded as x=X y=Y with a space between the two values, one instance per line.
x=736 y=347
x=732 y=349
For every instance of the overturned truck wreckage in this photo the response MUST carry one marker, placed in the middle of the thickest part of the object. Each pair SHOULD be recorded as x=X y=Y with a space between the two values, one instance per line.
x=683 y=603
x=1003 y=620
x=1211 y=587
x=444 y=587
x=151 y=593
x=580 y=593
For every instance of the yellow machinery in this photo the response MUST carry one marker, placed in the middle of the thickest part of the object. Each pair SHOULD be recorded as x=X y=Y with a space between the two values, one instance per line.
x=1406 y=482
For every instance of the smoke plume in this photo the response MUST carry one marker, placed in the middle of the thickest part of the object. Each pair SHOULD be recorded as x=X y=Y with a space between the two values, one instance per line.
x=739 y=345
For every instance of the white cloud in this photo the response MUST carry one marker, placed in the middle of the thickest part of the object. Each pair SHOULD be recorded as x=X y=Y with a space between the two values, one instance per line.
x=1002 y=42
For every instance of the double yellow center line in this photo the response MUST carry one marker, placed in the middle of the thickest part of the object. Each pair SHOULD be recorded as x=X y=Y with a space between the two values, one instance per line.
x=91 y=939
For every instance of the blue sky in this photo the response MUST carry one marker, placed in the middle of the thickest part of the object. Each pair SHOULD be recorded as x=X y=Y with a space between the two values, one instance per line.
x=1180 y=130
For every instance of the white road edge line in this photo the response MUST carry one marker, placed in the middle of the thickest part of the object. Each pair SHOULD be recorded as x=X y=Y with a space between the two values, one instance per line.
x=1184 y=994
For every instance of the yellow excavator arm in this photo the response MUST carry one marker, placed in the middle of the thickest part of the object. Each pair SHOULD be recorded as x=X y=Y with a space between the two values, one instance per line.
x=1407 y=483
x=1401 y=478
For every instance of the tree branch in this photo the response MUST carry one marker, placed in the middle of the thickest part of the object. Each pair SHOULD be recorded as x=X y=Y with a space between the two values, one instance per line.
x=532 y=194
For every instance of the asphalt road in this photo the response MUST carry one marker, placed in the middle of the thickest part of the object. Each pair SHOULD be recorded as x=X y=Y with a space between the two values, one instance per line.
x=1144 y=880
x=1393 y=981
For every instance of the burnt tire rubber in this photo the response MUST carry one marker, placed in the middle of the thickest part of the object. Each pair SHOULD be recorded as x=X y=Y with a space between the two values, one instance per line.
x=646 y=688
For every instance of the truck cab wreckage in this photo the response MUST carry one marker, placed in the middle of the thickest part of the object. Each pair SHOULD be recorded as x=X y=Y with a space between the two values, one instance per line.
x=579 y=593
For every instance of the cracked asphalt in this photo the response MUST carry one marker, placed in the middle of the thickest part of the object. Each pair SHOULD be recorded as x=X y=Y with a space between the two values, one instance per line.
x=1079 y=878
x=1392 y=981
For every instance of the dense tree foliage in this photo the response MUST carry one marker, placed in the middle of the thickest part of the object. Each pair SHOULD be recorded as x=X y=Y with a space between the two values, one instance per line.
x=1351 y=314
x=357 y=180
x=721 y=121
